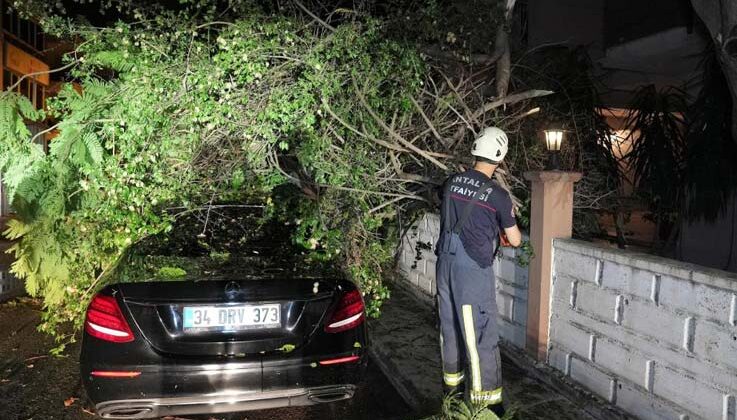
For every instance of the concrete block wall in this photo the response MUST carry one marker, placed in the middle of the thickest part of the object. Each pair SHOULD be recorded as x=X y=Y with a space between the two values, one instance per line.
x=654 y=336
x=417 y=264
x=417 y=256
x=511 y=296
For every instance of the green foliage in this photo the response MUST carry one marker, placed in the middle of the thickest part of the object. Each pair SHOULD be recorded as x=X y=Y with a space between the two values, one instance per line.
x=466 y=25
x=240 y=101
x=456 y=408
x=170 y=273
x=219 y=257
x=525 y=254
x=176 y=115
x=287 y=348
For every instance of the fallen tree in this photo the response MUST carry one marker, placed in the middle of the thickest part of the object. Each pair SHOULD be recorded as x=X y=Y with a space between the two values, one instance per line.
x=177 y=115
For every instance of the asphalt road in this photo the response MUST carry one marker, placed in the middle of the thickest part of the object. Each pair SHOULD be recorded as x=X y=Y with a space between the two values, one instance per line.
x=34 y=385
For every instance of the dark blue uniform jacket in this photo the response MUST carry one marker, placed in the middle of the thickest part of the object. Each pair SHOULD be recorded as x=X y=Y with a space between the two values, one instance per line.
x=492 y=213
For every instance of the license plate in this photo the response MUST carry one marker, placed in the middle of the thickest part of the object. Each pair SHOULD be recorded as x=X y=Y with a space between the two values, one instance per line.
x=232 y=317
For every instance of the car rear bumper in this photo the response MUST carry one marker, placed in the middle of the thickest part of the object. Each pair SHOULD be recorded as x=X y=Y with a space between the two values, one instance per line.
x=196 y=378
x=222 y=402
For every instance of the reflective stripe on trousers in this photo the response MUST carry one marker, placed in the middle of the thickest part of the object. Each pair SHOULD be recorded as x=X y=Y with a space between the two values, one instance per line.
x=487 y=397
x=453 y=379
x=468 y=323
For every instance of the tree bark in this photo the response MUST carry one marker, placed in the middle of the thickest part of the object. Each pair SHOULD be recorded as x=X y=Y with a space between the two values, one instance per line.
x=720 y=18
x=501 y=51
x=504 y=65
x=511 y=99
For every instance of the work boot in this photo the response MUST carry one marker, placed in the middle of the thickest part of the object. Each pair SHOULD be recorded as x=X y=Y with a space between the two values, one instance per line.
x=497 y=409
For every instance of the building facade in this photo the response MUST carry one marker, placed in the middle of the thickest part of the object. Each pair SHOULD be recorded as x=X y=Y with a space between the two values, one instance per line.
x=634 y=43
x=25 y=70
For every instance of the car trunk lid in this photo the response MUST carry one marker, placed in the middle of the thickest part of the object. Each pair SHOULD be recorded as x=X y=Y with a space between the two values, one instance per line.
x=158 y=310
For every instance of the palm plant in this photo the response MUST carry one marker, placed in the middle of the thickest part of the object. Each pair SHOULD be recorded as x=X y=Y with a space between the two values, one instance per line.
x=710 y=174
x=456 y=408
x=656 y=126
x=683 y=155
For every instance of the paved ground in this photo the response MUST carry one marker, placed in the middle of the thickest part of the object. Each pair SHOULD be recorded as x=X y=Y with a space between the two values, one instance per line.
x=405 y=344
x=34 y=385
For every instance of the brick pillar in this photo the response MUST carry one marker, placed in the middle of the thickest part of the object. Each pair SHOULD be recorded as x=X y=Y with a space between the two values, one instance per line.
x=551 y=216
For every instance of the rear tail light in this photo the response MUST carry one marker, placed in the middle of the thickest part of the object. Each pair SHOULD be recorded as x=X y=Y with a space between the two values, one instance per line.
x=106 y=322
x=115 y=373
x=340 y=360
x=347 y=314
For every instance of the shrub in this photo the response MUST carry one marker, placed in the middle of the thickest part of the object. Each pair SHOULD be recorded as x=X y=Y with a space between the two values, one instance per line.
x=171 y=273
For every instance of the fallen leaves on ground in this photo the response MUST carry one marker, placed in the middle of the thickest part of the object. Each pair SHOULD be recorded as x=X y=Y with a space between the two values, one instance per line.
x=69 y=401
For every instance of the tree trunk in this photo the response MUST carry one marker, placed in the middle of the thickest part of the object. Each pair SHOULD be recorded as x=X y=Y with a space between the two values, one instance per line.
x=720 y=18
x=503 y=66
x=501 y=51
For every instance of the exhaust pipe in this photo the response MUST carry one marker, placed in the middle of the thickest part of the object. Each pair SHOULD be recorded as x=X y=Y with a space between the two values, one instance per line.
x=328 y=395
x=155 y=408
x=125 y=412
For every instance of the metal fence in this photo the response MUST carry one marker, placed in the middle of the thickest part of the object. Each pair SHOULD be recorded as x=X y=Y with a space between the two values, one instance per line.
x=10 y=286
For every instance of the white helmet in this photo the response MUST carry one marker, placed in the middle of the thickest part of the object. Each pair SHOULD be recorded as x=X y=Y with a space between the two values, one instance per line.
x=492 y=144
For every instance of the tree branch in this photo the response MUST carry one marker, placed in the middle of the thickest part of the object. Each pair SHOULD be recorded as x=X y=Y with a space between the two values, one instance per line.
x=436 y=53
x=358 y=132
x=393 y=133
x=338 y=187
x=517 y=97
x=427 y=121
x=314 y=16
x=38 y=73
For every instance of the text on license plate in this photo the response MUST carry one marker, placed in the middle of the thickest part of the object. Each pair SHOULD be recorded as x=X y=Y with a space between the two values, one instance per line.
x=232 y=317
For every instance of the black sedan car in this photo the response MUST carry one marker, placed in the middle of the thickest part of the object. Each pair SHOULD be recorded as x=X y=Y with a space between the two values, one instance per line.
x=197 y=347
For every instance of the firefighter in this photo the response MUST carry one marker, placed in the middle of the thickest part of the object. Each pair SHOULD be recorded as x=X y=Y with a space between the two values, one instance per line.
x=475 y=214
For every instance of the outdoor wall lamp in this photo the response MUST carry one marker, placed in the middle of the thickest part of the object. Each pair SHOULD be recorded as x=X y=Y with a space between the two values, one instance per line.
x=553 y=141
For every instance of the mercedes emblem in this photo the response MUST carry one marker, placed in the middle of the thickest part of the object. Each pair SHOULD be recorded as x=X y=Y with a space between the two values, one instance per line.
x=232 y=288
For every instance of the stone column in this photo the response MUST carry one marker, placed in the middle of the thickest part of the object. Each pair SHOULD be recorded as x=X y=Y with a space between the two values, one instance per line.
x=551 y=216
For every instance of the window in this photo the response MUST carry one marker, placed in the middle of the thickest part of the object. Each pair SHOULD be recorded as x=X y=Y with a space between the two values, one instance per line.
x=28 y=87
x=26 y=31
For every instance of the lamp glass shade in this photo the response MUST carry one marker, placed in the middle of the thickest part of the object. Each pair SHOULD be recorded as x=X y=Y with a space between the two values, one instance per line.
x=553 y=139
